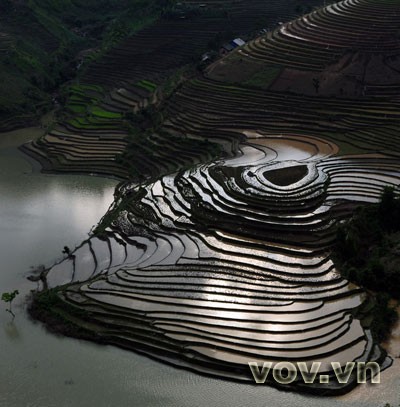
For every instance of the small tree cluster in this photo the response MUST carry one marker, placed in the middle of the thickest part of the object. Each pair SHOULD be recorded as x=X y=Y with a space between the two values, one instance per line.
x=9 y=298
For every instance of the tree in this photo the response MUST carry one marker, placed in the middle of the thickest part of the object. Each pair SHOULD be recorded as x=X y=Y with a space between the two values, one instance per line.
x=388 y=209
x=9 y=297
x=387 y=198
x=316 y=83
x=67 y=251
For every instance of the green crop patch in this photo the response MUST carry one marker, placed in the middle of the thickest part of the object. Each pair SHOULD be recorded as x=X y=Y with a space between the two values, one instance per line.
x=263 y=79
x=98 y=112
x=150 y=86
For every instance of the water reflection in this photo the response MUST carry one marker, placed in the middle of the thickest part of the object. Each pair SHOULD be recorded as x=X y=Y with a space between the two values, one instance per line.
x=11 y=330
x=103 y=376
x=270 y=275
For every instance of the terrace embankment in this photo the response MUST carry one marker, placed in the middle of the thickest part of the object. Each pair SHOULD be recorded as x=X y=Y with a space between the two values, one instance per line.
x=216 y=266
x=228 y=261
x=333 y=51
x=42 y=44
x=99 y=119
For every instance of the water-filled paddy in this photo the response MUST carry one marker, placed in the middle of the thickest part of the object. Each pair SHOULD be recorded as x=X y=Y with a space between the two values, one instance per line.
x=39 y=215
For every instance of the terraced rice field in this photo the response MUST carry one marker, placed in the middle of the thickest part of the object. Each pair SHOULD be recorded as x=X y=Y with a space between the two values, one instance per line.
x=227 y=262
x=136 y=74
x=6 y=41
x=338 y=45
x=229 y=113
x=216 y=266
x=316 y=39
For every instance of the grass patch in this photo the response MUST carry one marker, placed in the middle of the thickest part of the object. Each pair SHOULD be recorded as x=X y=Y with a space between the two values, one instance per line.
x=346 y=145
x=150 y=86
x=263 y=79
x=104 y=114
x=78 y=109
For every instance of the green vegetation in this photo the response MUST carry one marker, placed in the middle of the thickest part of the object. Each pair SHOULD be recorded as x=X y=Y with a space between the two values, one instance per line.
x=175 y=80
x=40 y=42
x=9 y=298
x=263 y=79
x=367 y=246
x=383 y=316
x=150 y=86
x=96 y=111
x=367 y=251
x=133 y=16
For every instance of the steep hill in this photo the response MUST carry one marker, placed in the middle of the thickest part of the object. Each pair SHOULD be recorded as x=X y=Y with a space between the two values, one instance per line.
x=347 y=49
x=229 y=261
x=40 y=43
x=104 y=107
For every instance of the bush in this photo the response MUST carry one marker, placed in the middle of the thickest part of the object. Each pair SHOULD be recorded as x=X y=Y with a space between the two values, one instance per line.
x=366 y=253
x=384 y=316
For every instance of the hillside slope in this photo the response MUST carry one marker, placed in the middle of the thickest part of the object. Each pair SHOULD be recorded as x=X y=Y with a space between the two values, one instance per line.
x=106 y=107
x=229 y=260
x=40 y=42
x=339 y=51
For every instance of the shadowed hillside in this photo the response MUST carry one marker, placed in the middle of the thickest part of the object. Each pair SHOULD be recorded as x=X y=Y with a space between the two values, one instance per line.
x=40 y=43
x=340 y=51
x=112 y=105
x=227 y=257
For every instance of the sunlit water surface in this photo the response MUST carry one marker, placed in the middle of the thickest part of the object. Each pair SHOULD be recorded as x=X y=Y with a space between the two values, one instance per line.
x=39 y=214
